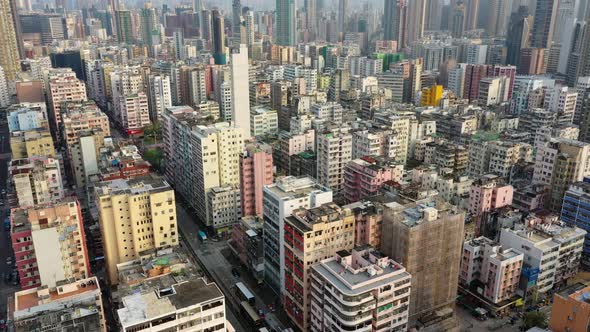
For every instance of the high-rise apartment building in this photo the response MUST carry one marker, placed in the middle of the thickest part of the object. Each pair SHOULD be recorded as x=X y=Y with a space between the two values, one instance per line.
x=216 y=151
x=37 y=180
x=352 y=279
x=497 y=268
x=416 y=20
x=426 y=238
x=334 y=151
x=558 y=164
x=134 y=112
x=64 y=88
x=544 y=23
x=364 y=177
x=124 y=25
x=159 y=95
x=136 y=215
x=9 y=56
x=218 y=28
x=240 y=90
x=77 y=117
x=311 y=235
x=552 y=249
x=49 y=243
x=574 y=212
x=519 y=30
x=280 y=199
x=256 y=171
x=4 y=95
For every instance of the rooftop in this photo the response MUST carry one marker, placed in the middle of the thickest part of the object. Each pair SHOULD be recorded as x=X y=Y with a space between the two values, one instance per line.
x=291 y=187
x=360 y=271
x=149 y=183
x=147 y=305
x=66 y=294
x=430 y=209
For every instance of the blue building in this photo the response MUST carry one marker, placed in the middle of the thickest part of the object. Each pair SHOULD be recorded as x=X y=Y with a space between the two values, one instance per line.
x=575 y=211
x=26 y=117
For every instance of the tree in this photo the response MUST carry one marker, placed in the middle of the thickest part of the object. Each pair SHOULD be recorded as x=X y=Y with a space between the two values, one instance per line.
x=534 y=318
x=153 y=130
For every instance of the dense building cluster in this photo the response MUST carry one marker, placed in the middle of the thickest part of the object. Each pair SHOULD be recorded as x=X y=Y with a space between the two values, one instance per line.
x=369 y=166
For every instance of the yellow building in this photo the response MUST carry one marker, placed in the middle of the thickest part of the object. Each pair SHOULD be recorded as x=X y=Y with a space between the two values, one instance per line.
x=36 y=142
x=135 y=215
x=432 y=96
x=324 y=81
x=9 y=57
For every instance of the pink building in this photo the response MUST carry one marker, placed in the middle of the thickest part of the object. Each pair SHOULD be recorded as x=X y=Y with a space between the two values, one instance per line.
x=256 y=170
x=49 y=243
x=368 y=219
x=497 y=269
x=489 y=193
x=364 y=177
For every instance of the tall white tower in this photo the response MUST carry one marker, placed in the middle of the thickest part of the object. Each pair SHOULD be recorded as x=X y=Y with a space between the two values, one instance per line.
x=240 y=89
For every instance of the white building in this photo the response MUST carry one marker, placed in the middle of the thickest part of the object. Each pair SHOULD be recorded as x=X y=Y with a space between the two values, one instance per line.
x=159 y=94
x=359 y=291
x=224 y=207
x=186 y=305
x=134 y=111
x=554 y=250
x=334 y=151
x=330 y=111
x=240 y=89
x=263 y=121
x=225 y=102
x=476 y=54
x=280 y=199
x=124 y=82
x=562 y=101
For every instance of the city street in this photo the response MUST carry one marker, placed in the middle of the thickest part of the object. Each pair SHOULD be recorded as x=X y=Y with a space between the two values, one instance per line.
x=6 y=289
x=214 y=257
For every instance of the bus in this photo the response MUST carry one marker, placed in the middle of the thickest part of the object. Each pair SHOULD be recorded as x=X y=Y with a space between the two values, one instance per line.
x=251 y=314
x=244 y=294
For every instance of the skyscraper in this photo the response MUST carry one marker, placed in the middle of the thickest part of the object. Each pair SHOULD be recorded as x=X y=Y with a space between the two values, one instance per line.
x=542 y=33
x=578 y=64
x=518 y=34
x=471 y=13
x=432 y=14
x=218 y=38
x=9 y=57
x=240 y=91
x=458 y=21
x=395 y=21
x=416 y=17
x=149 y=23
x=342 y=12
x=198 y=6
x=311 y=19
x=124 y=26
x=286 y=25
x=498 y=14
x=236 y=22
